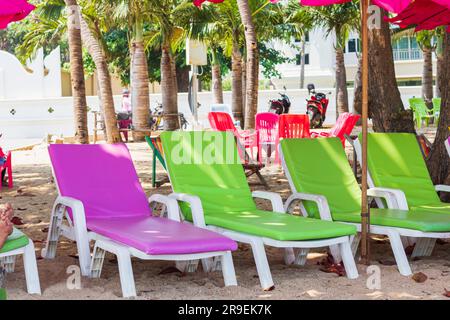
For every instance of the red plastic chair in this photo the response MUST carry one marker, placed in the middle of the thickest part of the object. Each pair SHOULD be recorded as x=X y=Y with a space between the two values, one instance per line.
x=293 y=126
x=266 y=124
x=6 y=166
x=344 y=126
x=222 y=121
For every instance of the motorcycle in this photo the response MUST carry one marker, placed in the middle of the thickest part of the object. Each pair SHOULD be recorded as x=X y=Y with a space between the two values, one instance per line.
x=156 y=119
x=281 y=105
x=316 y=107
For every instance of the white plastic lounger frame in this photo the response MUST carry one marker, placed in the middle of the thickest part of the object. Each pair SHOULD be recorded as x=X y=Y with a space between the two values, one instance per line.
x=424 y=247
x=395 y=199
x=76 y=230
x=257 y=243
x=7 y=260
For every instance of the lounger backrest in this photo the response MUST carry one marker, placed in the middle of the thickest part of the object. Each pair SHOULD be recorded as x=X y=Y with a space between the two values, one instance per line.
x=320 y=166
x=221 y=185
x=102 y=176
x=395 y=161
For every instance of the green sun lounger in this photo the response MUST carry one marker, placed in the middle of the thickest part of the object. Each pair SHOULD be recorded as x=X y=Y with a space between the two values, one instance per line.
x=19 y=244
x=342 y=195
x=210 y=184
x=395 y=161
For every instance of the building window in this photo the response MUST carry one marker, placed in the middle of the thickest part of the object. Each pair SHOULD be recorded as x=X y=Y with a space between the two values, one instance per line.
x=353 y=45
x=298 y=59
x=298 y=40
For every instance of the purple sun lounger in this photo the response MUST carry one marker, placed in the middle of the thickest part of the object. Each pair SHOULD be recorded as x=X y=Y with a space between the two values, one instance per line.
x=100 y=199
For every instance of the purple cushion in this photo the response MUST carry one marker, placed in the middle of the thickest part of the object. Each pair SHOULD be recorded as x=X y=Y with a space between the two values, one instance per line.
x=156 y=236
x=104 y=179
x=101 y=176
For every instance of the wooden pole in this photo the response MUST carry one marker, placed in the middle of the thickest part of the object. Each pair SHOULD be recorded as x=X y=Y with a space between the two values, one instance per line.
x=365 y=216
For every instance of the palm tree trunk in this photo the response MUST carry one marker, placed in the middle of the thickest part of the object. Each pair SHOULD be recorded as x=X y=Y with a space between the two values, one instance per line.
x=341 y=84
x=168 y=89
x=104 y=83
x=302 y=63
x=140 y=98
x=438 y=160
x=385 y=104
x=357 y=98
x=216 y=77
x=427 y=77
x=439 y=72
x=252 y=64
x=236 y=84
x=77 y=72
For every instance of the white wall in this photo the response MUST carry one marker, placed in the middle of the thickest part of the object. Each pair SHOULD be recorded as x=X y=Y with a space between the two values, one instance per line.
x=32 y=119
x=16 y=82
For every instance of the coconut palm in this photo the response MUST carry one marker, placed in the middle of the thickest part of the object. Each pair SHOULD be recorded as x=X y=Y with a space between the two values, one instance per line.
x=50 y=30
x=77 y=72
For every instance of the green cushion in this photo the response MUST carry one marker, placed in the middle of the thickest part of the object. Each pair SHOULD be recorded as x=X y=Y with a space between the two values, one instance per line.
x=223 y=189
x=320 y=166
x=395 y=161
x=420 y=220
x=15 y=241
x=279 y=226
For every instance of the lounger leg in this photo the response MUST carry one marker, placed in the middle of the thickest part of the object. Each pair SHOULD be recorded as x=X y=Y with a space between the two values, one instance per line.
x=49 y=252
x=335 y=251
x=348 y=260
x=355 y=240
x=424 y=247
x=262 y=265
x=81 y=236
x=189 y=266
x=126 y=273
x=31 y=270
x=8 y=263
x=98 y=258
x=289 y=256
x=229 y=275
x=302 y=256
x=399 y=253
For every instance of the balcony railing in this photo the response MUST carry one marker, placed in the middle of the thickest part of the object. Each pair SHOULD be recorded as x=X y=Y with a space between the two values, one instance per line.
x=407 y=54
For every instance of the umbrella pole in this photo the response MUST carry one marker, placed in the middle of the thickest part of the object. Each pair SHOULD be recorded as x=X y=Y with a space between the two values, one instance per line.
x=365 y=222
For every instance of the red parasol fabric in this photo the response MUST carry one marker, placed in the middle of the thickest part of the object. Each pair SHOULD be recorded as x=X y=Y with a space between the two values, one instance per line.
x=424 y=14
x=395 y=6
x=13 y=10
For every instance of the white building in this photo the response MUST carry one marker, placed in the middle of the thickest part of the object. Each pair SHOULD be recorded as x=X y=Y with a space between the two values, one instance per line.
x=320 y=61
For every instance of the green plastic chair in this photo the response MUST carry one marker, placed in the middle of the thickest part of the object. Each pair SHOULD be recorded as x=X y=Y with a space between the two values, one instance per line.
x=421 y=111
x=19 y=244
x=209 y=182
x=437 y=108
x=341 y=194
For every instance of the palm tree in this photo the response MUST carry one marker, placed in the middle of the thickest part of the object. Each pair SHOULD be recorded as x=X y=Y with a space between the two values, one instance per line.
x=91 y=41
x=425 y=41
x=438 y=160
x=132 y=14
x=386 y=107
x=77 y=72
x=252 y=64
x=50 y=29
x=339 y=20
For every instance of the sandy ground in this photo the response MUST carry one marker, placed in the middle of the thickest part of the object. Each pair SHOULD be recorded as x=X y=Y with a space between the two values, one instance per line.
x=34 y=193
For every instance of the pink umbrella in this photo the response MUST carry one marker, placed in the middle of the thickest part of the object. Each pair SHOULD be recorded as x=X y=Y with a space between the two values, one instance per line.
x=13 y=10
x=424 y=14
x=395 y=6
